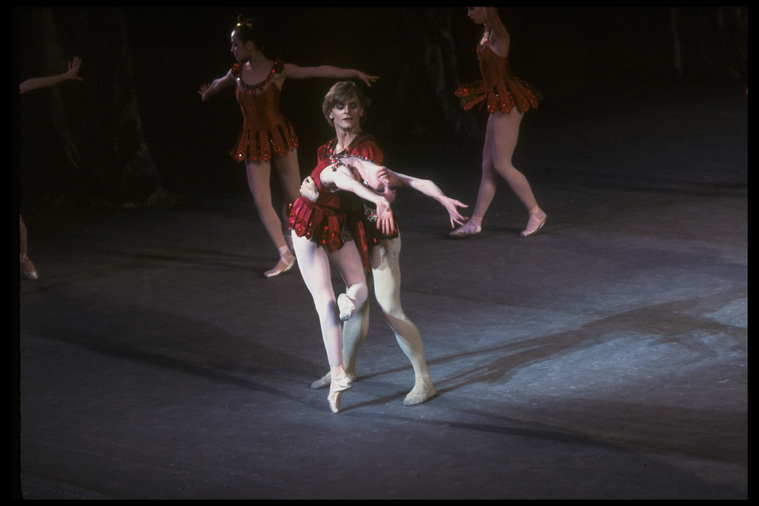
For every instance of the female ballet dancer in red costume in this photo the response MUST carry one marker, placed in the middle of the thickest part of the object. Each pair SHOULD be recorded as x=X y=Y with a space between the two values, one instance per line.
x=344 y=107
x=27 y=267
x=507 y=99
x=266 y=134
x=322 y=224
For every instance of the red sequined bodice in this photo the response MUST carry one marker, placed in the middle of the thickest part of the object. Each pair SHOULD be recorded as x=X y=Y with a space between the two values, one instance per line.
x=260 y=107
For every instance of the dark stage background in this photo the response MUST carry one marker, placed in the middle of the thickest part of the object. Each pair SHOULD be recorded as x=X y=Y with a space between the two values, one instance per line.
x=136 y=123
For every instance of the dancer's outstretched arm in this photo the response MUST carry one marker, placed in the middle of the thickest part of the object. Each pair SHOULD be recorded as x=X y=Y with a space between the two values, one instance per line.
x=207 y=90
x=430 y=189
x=41 y=82
x=296 y=72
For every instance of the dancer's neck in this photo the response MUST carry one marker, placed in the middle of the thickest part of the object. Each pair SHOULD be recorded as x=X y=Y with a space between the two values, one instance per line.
x=344 y=138
x=257 y=59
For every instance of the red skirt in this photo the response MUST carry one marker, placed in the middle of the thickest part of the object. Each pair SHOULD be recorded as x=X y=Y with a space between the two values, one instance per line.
x=504 y=96
x=264 y=144
x=332 y=228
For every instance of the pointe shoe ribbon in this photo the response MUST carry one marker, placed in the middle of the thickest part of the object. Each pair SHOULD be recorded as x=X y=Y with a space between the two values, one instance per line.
x=284 y=265
x=535 y=223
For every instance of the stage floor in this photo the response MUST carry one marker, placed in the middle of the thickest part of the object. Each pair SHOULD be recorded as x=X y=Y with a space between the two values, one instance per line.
x=605 y=357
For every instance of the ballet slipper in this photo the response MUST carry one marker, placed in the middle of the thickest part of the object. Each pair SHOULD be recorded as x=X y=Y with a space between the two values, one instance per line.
x=346 y=306
x=469 y=229
x=423 y=390
x=325 y=380
x=536 y=221
x=285 y=263
x=339 y=384
x=27 y=267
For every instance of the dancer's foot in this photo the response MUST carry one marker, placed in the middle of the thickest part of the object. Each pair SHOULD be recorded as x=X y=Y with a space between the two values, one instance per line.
x=27 y=267
x=285 y=263
x=469 y=229
x=423 y=390
x=346 y=306
x=536 y=221
x=340 y=383
x=325 y=380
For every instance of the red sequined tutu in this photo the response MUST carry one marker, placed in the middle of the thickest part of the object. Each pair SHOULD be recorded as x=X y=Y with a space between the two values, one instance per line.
x=499 y=90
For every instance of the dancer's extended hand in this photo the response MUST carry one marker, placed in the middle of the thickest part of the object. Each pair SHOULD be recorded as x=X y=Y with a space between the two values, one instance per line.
x=385 y=221
x=450 y=206
x=204 y=91
x=74 y=69
x=368 y=80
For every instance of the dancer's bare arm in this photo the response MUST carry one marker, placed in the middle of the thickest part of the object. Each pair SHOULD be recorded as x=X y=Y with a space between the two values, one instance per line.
x=499 y=35
x=430 y=189
x=41 y=82
x=207 y=90
x=342 y=179
x=296 y=72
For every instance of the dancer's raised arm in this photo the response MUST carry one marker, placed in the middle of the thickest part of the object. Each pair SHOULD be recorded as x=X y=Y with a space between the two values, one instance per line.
x=500 y=40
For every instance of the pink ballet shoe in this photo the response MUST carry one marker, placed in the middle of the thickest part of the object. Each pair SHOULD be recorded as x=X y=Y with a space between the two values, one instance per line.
x=469 y=229
x=27 y=267
x=339 y=384
x=535 y=223
x=285 y=263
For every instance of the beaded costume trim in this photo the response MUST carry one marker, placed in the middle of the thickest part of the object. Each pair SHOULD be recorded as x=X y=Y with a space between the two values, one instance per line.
x=254 y=89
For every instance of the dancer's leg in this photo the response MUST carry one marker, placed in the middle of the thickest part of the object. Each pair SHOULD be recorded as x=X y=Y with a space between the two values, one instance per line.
x=505 y=132
x=314 y=267
x=27 y=267
x=348 y=261
x=314 y=262
x=354 y=332
x=289 y=178
x=258 y=182
x=387 y=288
x=488 y=185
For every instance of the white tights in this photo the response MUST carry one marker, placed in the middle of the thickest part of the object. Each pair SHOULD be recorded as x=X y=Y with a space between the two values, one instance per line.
x=386 y=273
x=313 y=261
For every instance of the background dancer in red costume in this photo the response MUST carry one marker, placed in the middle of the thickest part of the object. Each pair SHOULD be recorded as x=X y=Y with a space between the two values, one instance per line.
x=506 y=98
x=344 y=107
x=266 y=134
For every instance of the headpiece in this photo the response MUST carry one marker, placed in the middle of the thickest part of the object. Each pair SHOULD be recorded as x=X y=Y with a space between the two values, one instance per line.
x=242 y=20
